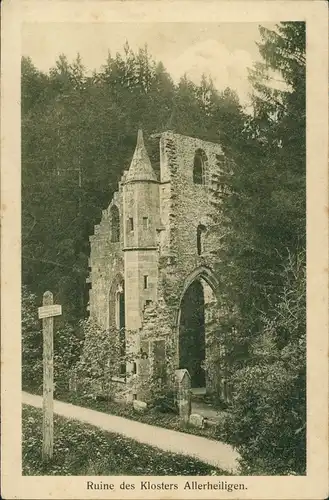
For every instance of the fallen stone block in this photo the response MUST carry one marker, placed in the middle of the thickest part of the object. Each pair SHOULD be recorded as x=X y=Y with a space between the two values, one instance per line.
x=197 y=420
x=139 y=405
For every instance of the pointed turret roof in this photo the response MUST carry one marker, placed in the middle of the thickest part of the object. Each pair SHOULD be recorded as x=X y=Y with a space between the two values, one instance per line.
x=140 y=167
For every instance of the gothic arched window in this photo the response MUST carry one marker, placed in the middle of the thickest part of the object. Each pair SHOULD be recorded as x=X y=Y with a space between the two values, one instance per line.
x=200 y=232
x=115 y=224
x=199 y=167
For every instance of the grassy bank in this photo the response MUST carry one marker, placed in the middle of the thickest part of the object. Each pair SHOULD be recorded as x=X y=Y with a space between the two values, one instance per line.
x=81 y=449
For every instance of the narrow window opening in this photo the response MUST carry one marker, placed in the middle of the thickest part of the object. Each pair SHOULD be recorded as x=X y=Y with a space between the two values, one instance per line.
x=130 y=224
x=146 y=282
x=200 y=233
x=122 y=369
x=199 y=167
x=145 y=222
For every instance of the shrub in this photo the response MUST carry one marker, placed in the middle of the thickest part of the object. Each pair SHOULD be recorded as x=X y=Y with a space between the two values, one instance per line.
x=68 y=342
x=161 y=397
x=101 y=360
x=267 y=421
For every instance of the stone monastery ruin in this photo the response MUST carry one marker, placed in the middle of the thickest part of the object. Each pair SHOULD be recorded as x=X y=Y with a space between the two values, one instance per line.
x=152 y=260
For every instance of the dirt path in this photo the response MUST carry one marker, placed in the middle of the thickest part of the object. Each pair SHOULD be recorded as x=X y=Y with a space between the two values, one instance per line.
x=211 y=452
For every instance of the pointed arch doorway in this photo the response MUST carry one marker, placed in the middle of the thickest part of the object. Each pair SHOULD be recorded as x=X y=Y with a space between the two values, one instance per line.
x=192 y=342
x=194 y=323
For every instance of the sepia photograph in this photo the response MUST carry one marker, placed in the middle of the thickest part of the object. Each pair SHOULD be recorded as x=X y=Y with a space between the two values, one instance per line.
x=163 y=229
x=163 y=206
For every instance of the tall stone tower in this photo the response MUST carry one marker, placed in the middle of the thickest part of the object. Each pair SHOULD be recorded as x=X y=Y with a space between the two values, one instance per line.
x=152 y=264
x=141 y=219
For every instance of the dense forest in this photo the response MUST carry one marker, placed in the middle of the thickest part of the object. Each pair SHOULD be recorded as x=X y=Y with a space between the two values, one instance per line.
x=78 y=135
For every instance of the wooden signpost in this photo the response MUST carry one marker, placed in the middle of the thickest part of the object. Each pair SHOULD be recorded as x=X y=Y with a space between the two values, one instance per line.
x=47 y=313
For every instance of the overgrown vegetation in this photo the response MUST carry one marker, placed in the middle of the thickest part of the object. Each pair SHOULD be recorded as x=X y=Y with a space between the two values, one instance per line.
x=83 y=450
x=101 y=361
x=162 y=398
x=68 y=343
x=267 y=421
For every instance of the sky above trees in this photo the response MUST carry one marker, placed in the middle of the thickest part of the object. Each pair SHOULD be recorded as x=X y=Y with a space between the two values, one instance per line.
x=222 y=51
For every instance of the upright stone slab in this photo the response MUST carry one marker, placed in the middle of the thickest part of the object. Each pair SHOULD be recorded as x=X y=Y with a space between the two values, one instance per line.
x=183 y=380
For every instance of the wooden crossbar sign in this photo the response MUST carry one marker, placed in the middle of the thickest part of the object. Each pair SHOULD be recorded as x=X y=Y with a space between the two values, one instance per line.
x=47 y=313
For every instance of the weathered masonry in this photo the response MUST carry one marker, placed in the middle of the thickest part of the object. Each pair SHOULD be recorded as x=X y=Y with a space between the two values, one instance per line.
x=152 y=259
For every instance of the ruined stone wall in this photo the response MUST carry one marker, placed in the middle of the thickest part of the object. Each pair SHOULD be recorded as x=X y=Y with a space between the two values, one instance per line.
x=185 y=205
x=166 y=252
x=105 y=262
x=157 y=348
x=137 y=265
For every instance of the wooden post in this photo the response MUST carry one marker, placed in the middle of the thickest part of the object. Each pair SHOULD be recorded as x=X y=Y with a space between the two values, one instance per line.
x=48 y=381
x=47 y=313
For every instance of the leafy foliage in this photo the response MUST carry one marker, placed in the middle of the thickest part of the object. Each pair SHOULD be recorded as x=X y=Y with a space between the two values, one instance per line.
x=101 y=361
x=161 y=397
x=265 y=215
x=68 y=343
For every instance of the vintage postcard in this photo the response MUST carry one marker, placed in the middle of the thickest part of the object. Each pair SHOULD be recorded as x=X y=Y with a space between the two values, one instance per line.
x=164 y=265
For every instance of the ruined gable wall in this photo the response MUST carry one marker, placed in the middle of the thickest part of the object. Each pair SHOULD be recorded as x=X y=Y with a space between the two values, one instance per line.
x=106 y=262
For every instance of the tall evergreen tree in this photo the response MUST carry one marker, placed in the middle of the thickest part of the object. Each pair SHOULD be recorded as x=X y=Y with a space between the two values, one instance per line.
x=265 y=242
x=265 y=215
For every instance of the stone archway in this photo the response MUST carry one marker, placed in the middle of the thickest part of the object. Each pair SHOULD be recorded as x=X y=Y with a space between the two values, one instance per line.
x=204 y=273
x=194 y=322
